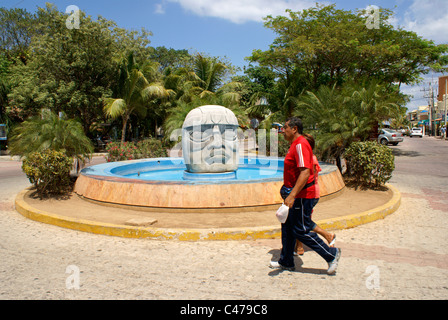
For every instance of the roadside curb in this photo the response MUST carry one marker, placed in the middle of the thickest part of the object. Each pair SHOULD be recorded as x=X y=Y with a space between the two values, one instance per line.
x=249 y=233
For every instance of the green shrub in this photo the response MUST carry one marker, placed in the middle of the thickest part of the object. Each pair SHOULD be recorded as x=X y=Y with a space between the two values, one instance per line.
x=148 y=148
x=118 y=151
x=48 y=131
x=48 y=171
x=151 y=148
x=369 y=163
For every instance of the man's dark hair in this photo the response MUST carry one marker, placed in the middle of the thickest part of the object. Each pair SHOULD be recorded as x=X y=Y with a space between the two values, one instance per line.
x=296 y=122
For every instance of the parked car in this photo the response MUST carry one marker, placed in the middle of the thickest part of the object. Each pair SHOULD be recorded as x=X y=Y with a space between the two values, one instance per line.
x=404 y=131
x=389 y=136
x=416 y=132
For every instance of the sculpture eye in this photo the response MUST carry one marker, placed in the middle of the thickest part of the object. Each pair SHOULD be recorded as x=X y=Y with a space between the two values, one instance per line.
x=195 y=135
x=204 y=133
x=200 y=133
x=230 y=134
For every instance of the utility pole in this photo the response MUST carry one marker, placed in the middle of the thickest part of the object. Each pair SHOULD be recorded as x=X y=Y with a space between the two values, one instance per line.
x=446 y=97
x=432 y=128
x=430 y=97
x=431 y=100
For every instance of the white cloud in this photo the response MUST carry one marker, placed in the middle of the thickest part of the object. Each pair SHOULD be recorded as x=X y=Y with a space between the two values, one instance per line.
x=428 y=19
x=160 y=9
x=240 y=11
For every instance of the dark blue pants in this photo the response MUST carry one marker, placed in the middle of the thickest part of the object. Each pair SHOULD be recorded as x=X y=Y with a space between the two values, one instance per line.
x=299 y=226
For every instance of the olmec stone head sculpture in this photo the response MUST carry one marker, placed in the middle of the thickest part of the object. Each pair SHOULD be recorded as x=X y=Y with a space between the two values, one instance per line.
x=210 y=141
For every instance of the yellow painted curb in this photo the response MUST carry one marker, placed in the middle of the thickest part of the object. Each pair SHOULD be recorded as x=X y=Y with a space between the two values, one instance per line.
x=268 y=232
x=354 y=220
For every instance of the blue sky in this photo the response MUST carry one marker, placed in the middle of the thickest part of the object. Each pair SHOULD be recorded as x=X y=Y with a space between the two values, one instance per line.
x=233 y=28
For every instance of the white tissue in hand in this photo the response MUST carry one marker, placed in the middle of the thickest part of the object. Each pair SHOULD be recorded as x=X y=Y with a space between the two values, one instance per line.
x=282 y=213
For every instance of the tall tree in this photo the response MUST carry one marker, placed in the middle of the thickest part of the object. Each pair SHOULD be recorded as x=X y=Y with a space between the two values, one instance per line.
x=171 y=58
x=17 y=27
x=330 y=46
x=134 y=91
x=208 y=82
x=69 y=70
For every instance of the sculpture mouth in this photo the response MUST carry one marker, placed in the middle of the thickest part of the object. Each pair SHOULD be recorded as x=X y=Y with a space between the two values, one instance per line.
x=217 y=156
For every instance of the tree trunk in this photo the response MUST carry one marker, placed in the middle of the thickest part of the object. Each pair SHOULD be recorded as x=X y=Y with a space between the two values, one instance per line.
x=123 y=131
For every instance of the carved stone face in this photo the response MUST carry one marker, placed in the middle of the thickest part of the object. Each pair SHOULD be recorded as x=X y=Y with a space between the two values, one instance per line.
x=210 y=141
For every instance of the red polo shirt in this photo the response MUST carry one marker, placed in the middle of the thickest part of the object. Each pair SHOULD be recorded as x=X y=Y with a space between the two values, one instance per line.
x=299 y=156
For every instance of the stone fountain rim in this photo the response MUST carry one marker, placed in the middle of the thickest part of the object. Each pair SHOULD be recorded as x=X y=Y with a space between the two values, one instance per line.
x=105 y=171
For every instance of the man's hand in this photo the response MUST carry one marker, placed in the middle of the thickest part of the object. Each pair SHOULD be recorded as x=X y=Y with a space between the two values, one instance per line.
x=289 y=201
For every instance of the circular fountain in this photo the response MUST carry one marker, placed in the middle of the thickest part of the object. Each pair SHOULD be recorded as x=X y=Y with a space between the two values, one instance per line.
x=210 y=175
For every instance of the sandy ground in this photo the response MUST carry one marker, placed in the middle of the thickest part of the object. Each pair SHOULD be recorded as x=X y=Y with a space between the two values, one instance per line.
x=403 y=256
x=348 y=201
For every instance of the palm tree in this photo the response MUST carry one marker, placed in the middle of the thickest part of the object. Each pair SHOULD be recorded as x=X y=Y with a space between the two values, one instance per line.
x=205 y=79
x=203 y=84
x=347 y=114
x=48 y=131
x=281 y=100
x=339 y=121
x=378 y=101
x=134 y=91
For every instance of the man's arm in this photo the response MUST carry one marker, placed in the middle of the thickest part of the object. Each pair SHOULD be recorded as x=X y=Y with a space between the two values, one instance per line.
x=300 y=183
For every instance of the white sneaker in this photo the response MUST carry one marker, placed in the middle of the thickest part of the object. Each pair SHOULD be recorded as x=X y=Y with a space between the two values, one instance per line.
x=276 y=265
x=333 y=265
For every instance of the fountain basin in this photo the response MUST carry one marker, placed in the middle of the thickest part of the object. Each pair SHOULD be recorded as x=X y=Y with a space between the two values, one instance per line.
x=160 y=184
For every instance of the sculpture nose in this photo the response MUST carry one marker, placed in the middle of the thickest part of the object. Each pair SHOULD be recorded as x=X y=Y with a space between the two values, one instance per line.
x=217 y=137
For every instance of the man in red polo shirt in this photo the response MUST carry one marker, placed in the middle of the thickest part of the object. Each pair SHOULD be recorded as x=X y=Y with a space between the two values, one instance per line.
x=299 y=193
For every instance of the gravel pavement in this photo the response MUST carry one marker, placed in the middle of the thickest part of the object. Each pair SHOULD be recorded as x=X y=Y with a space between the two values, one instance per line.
x=403 y=256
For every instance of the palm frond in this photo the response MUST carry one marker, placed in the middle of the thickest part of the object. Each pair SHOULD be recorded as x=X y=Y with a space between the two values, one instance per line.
x=114 y=108
x=50 y=132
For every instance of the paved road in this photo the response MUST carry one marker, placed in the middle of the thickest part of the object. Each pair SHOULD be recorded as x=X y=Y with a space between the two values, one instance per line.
x=401 y=257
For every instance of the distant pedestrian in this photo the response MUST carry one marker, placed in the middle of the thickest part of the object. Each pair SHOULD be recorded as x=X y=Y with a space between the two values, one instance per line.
x=299 y=179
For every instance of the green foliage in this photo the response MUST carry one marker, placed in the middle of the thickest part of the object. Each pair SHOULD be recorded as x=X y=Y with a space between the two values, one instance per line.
x=171 y=58
x=370 y=164
x=48 y=171
x=346 y=114
x=71 y=70
x=328 y=46
x=118 y=151
x=272 y=96
x=68 y=70
x=148 y=148
x=134 y=91
x=17 y=29
x=151 y=148
x=48 y=131
x=204 y=84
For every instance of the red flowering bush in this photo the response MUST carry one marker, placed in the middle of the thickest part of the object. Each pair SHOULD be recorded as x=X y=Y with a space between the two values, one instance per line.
x=148 y=148
x=120 y=152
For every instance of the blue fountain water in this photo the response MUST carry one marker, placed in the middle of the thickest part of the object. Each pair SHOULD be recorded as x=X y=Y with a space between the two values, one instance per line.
x=174 y=170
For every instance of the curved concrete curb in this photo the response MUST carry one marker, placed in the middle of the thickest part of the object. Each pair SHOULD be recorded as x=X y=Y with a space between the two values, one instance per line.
x=354 y=220
x=264 y=232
